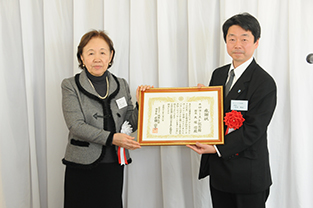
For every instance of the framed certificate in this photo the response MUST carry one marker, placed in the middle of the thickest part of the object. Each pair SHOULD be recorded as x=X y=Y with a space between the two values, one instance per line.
x=180 y=116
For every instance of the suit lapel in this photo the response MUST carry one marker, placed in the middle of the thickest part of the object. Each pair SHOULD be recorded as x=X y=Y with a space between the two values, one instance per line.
x=240 y=85
x=85 y=83
x=112 y=84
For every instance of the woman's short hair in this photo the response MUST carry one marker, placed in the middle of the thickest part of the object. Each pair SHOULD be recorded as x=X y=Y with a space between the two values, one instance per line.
x=85 y=40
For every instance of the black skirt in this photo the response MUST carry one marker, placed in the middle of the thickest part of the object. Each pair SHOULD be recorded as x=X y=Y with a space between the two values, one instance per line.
x=98 y=187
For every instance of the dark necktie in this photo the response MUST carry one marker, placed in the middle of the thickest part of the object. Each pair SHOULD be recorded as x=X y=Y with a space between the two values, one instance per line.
x=230 y=81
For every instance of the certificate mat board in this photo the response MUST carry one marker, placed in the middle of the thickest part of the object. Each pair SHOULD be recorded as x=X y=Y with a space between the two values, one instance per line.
x=180 y=116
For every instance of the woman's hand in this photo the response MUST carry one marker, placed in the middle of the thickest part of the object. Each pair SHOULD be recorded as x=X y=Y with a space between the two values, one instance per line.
x=202 y=148
x=142 y=88
x=125 y=141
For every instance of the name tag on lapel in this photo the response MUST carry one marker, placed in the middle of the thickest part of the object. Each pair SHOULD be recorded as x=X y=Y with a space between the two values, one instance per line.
x=239 y=105
x=121 y=103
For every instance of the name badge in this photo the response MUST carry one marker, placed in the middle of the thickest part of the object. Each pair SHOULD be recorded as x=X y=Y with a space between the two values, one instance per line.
x=121 y=103
x=239 y=105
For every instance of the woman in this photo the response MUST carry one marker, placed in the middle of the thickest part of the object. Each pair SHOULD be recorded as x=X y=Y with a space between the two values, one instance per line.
x=95 y=105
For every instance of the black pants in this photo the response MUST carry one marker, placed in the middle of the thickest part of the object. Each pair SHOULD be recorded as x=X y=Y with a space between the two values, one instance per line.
x=99 y=187
x=231 y=200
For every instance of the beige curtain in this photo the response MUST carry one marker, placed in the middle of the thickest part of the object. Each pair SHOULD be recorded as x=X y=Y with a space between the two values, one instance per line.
x=2 y=202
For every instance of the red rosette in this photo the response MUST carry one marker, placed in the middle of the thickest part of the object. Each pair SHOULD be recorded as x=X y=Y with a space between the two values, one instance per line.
x=233 y=120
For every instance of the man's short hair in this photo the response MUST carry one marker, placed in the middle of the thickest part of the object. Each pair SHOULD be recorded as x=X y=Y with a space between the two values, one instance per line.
x=245 y=21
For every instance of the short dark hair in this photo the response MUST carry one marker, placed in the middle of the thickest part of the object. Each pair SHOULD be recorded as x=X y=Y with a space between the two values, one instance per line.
x=246 y=21
x=85 y=40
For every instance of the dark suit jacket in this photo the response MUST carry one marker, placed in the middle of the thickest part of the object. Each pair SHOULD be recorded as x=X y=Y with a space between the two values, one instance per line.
x=244 y=164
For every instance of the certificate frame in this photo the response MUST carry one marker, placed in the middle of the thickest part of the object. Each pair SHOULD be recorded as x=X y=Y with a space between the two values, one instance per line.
x=181 y=116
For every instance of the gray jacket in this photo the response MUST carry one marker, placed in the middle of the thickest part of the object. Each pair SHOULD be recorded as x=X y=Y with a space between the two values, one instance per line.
x=83 y=115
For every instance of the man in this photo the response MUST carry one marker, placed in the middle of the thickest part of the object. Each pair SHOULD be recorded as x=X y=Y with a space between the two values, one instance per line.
x=239 y=169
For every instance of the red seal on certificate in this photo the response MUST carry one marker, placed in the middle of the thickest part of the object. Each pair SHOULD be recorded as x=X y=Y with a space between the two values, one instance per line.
x=155 y=130
x=233 y=120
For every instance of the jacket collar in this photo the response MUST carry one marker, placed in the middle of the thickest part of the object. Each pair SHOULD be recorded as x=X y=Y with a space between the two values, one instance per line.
x=240 y=86
x=85 y=83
